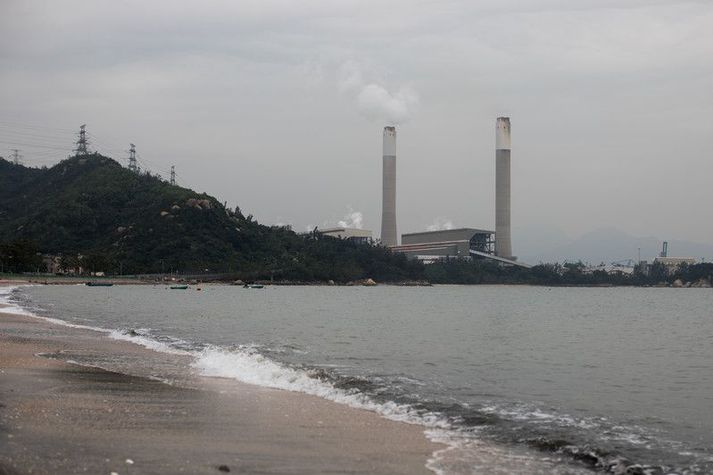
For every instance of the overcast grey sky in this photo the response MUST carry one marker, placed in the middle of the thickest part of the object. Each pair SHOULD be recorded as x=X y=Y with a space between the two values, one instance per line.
x=278 y=106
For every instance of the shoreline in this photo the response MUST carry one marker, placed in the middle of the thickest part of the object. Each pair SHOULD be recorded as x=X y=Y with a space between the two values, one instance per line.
x=414 y=284
x=60 y=280
x=59 y=416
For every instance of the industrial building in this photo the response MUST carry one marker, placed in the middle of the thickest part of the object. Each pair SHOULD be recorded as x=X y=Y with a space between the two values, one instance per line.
x=430 y=246
x=359 y=236
x=462 y=243
x=672 y=263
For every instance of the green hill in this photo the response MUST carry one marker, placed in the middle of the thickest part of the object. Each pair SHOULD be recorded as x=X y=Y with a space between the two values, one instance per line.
x=137 y=223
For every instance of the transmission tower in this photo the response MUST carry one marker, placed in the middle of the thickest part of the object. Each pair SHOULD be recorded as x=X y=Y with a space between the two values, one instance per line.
x=16 y=157
x=132 y=159
x=82 y=142
x=173 y=174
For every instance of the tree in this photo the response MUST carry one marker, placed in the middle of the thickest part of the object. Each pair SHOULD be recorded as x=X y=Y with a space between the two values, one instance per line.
x=69 y=264
x=658 y=273
x=20 y=255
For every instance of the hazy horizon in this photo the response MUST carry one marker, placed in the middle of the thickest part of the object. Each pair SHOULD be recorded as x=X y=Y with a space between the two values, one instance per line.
x=279 y=107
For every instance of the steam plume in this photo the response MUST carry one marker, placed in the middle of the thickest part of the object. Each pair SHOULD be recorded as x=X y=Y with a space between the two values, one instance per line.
x=353 y=219
x=440 y=224
x=373 y=100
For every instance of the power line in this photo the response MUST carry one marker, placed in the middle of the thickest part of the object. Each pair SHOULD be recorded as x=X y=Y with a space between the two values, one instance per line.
x=44 y=153
x=21 y=125
x=112 y=149
x=38 y=142
x=28 y=144
x=30 y=135
x=33 y=154
x=110 y=142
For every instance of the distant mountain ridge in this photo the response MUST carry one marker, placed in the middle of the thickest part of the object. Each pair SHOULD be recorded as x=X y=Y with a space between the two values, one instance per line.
x=138 y=223
x=611 y=244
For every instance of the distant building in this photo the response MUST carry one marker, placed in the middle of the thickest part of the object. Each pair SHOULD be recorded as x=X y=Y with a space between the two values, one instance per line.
x=673 y=263
x=430 y=246
x=611 y=269
x=462 y=243
x=359 y=236
x=51 y=263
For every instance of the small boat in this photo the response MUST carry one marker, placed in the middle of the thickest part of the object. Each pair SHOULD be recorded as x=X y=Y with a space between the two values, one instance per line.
x=253 y=286
x=179 y=287
x=99 y=284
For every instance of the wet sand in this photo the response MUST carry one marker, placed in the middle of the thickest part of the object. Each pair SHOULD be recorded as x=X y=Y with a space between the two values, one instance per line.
x=60 y=417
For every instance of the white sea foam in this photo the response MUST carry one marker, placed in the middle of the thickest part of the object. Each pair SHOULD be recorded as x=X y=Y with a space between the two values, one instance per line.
x=8 y=306
x=15 y=309
x=467 y=453
x=146 y=342
x=6 y=290
x=249 y=366
x=63 y=323
x=535 y=415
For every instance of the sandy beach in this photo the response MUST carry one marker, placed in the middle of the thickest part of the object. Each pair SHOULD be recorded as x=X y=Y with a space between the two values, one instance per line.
x=57 y=416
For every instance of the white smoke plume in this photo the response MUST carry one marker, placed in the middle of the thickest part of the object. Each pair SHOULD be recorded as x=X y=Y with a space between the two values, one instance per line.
x=353 y=219
x=373 y=100
x=440 y=224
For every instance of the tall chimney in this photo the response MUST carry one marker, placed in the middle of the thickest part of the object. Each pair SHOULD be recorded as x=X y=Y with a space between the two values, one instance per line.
x=503 y=245
x=388 y=199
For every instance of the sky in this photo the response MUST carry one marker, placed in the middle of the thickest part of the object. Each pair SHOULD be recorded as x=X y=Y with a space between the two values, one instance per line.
x=279 y=106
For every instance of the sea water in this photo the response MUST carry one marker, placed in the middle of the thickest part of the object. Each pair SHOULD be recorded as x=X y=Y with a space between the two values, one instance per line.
x=512 y=378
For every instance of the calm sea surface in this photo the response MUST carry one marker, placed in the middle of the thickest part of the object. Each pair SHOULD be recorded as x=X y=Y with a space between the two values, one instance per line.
x=544 y=379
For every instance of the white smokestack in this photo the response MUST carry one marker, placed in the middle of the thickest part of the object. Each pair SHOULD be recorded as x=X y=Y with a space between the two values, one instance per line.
x=502 y=133
x=503 y=244
x=388 y=209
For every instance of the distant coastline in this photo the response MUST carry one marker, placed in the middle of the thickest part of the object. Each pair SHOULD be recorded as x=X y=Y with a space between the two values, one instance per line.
x=690 y=278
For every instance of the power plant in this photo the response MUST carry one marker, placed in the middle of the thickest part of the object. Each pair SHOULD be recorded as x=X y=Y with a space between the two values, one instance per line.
x=388 y=197
x=430 y=246
x=453 y=243
x=503 y=244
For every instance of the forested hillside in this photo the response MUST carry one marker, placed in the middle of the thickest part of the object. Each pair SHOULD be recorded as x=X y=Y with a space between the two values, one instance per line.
x=137 y=223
